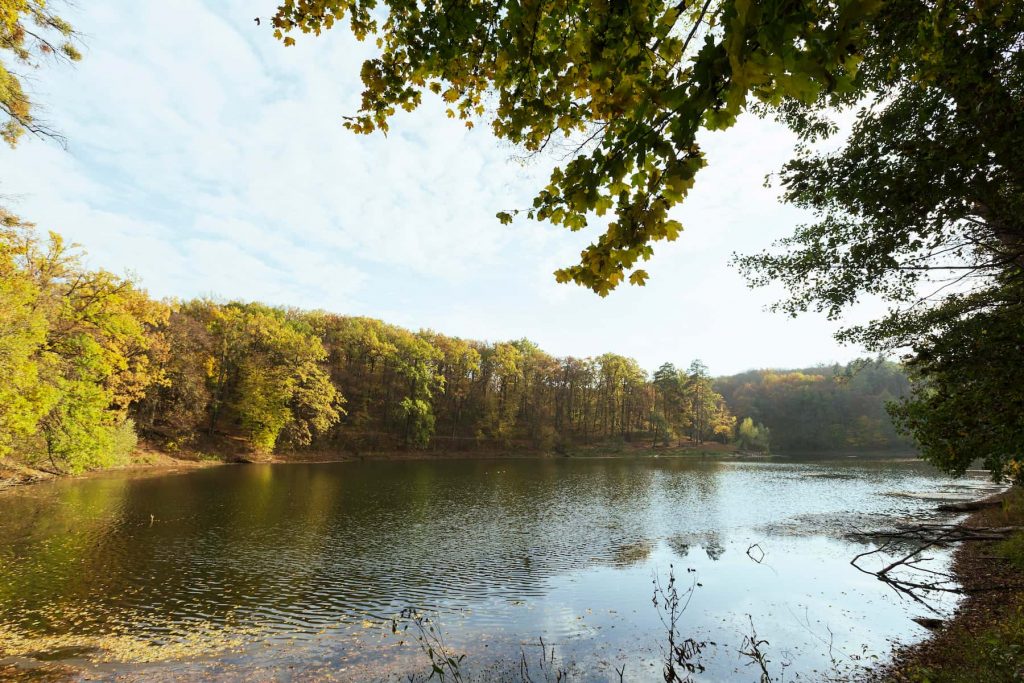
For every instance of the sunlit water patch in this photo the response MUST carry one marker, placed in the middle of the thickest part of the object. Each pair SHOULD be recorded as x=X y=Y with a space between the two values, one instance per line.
x=296 y=571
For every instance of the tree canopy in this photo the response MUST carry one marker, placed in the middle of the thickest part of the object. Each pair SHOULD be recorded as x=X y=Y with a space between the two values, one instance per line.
x=923 y=206
x=626 y=85
x=820 y=409
x=75 y=353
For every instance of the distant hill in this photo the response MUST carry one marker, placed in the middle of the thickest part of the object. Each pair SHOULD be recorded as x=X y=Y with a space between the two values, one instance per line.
x=824 y=408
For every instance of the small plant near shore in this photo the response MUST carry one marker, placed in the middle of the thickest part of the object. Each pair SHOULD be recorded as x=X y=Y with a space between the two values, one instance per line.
x=682 y=655
x=1012 y=549
x=1009 y=514
x=445 y=664
x=754 y=649
x=203 y=456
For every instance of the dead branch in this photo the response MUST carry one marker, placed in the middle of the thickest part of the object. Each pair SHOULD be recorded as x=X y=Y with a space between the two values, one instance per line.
x=906 y=576
x=940 y=534
x=969 y=506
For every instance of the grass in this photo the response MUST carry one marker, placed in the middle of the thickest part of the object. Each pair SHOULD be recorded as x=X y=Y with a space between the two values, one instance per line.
x=1013 y=550
x=994 y=654
x=1010 y=513
x=203 y=456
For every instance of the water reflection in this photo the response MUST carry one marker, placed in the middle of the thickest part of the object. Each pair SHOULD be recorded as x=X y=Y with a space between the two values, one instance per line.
x=301 y=564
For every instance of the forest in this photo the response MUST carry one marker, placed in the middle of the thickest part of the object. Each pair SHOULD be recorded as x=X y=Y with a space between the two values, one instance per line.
x=822 y=408
x=90 y=363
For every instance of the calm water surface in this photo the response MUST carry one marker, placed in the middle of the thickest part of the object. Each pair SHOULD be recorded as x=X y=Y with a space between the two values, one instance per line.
x=292 y=572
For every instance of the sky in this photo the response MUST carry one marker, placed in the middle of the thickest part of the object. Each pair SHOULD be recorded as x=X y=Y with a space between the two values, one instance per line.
x=206 y=159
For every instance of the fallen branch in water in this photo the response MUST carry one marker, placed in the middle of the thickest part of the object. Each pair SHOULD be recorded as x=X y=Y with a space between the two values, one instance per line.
x=920 y=580
x=969 y=506
x=941 y=534
x=760 y=554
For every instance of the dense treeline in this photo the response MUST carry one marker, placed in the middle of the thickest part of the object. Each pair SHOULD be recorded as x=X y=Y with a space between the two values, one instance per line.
x=88 y=361
x=820 y=409
x=291 y=379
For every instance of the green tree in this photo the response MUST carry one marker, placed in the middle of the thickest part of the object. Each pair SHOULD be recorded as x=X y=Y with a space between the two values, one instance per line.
x=708 y=414
x=24 y=398
x=752 y=437
x=314 y=404
x=263 y=393
x=359 y=359
x=265 y=375
x=700 y=399
x=173 y=412
x=416 y=364
x=967 y=401
x=419 y=421
x=922 y=205
x=503 y=371
x=76 y=346
x=668 y=411
x=458 y=366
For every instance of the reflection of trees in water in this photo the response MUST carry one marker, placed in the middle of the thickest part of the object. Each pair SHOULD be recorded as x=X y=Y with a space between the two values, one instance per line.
x=632 y=553
x=838 y=525
x=709 y=541
x=327 y=543
x=680 y=545
x=54 y=544
x=714 y=548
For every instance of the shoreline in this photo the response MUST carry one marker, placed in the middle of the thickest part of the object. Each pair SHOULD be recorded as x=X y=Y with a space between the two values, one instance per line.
x=151 y=461
x=984 y=638
x=145 y=462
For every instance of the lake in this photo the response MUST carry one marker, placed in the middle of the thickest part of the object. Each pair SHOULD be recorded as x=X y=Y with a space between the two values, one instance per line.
x=294 y=572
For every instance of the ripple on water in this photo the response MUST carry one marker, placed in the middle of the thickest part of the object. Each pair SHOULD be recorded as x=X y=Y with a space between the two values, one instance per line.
x=270 y=566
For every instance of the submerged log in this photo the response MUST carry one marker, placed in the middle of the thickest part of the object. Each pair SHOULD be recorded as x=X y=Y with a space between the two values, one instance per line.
x=969 y=506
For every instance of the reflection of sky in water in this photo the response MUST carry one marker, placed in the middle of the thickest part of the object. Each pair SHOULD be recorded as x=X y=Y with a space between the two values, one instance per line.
x=316 y=557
